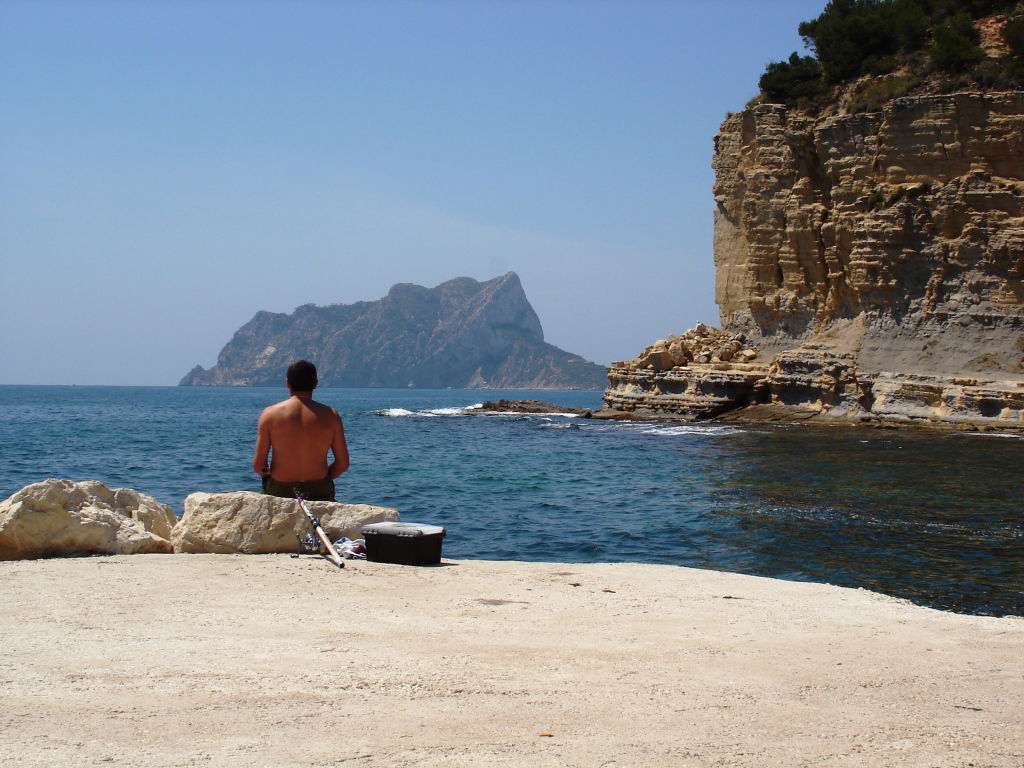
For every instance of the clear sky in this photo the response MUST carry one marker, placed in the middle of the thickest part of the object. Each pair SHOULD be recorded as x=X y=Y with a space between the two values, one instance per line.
x=170 y=167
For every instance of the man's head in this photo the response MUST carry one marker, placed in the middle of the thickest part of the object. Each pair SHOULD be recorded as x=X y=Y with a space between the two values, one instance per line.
x=302 y=376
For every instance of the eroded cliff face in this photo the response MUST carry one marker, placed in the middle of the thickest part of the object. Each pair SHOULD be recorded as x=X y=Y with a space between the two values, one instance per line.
x=858 y=253
x=911 y=219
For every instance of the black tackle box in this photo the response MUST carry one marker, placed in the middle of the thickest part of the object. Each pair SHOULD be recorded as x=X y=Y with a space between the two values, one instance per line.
x=403 y=543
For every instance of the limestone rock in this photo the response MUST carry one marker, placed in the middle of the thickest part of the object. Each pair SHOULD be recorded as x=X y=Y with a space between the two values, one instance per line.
x=60 y=517
x=701 y=344
x=818 y=379
x=867 y=266
x=697 y=374
x=911 y=218
x=254 y=523
x=933 y=398
x=460 y=334
x=529 y=406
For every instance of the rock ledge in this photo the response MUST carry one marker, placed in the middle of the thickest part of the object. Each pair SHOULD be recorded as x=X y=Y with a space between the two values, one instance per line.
x=816 y=380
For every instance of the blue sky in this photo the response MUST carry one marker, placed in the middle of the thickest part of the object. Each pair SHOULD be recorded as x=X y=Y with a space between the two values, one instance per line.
x=167 y=169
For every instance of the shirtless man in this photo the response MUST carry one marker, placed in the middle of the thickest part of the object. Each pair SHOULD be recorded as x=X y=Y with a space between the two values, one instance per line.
x=295 y=435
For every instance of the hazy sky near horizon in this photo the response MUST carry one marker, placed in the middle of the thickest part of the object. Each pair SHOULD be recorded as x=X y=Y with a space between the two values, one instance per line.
x=169 y=168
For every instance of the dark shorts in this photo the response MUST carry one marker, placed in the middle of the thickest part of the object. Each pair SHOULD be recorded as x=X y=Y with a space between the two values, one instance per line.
x=311 y=490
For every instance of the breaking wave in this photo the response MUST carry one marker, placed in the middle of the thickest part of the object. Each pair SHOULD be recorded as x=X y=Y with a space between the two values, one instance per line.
x=399 y=413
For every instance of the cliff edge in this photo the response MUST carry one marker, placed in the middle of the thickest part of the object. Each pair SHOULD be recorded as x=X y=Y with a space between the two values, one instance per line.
x=869 y=231
x=901 y=229
x=868 y=265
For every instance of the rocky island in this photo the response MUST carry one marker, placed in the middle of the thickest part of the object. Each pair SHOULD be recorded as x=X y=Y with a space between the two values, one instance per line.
x=462 y=334
x=869 y=253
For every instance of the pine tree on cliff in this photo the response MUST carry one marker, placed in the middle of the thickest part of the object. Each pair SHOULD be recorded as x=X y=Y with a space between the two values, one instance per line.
x=930 y=43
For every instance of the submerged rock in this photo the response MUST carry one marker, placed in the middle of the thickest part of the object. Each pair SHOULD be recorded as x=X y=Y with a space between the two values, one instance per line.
x=254 y=523
x=530 y=406
x=61 y=517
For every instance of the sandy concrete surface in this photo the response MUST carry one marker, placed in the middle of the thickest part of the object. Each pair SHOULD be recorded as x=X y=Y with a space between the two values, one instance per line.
x=226 y=660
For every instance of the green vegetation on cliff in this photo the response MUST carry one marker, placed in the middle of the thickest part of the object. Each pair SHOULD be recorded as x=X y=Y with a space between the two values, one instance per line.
x=907 y=45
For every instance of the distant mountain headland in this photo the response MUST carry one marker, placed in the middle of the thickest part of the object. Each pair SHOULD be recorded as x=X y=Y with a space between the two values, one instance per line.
x=869 y=231
x=461 y=334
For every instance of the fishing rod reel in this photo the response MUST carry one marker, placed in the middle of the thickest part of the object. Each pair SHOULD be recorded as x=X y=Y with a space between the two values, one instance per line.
x=317 y=542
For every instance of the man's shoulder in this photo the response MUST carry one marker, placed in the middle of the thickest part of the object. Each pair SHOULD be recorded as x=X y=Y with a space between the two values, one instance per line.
x=324 y=408
x=270 y=410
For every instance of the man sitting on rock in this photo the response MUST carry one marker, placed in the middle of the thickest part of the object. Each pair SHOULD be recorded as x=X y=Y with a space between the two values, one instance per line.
x=293 y=438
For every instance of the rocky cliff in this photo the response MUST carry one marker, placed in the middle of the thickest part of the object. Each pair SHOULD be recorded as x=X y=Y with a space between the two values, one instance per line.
x=910 y=220
x=461 y=334
x=874 y=262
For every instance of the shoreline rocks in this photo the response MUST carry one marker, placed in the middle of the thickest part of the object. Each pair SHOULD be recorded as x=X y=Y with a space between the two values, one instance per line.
x=818 y=380
x=254 y=523
x=61 y=517
x=869 y=269
x=531 y=406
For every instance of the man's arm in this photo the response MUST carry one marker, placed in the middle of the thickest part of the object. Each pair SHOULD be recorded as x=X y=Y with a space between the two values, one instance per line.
x=259 y=460
x=339 y=448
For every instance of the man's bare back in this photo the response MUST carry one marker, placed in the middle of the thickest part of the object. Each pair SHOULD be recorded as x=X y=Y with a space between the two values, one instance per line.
x=294 y=437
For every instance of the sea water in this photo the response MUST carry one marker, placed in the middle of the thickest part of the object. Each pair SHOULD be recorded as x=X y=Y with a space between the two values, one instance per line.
x=934 y=518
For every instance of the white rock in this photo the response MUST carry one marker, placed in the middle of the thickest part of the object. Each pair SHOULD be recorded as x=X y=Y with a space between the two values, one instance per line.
x=60 y=517
x=254 y=523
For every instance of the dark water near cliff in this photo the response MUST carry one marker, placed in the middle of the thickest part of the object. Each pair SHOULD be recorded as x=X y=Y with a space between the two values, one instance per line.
x=937 y=519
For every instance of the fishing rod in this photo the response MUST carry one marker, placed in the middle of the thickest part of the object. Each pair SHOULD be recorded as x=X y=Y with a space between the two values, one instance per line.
x=332 y=553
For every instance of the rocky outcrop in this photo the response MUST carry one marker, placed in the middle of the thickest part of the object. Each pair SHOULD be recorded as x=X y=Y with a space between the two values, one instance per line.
x=252 y=523
x=461 y=334
x=61 y=517
x=874 y=263
x=530 y=406
x=911 y=219
x=816 y=380
x=698 y=374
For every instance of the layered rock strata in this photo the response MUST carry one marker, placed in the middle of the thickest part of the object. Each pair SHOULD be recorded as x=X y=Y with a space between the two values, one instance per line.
x=911 y=218
x=874 y=261
x=61 y=517
x=697 y=374
x=812 y=381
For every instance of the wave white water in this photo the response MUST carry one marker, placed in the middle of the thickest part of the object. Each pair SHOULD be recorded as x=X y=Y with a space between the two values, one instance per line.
x=448 y=411
x=426 y=412
x=689 y=429
x=394 y=412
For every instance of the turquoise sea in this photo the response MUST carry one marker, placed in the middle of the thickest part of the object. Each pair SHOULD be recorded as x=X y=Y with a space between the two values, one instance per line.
x=934 y=518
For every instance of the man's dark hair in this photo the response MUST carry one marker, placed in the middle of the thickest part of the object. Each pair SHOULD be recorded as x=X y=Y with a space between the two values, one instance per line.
x=302 y=376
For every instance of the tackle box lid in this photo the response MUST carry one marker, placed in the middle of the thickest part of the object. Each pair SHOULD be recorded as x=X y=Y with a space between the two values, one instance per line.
x=392 y=528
